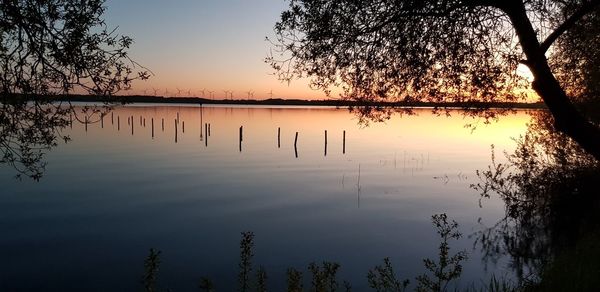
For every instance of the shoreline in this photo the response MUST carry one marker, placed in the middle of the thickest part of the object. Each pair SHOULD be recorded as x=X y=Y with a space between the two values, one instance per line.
x=296 y=102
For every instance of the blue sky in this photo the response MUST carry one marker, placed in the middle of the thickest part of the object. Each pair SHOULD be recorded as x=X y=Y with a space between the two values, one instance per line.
x=196 y=44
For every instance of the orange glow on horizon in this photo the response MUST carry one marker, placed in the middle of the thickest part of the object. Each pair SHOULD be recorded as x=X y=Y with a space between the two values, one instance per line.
x=255 y=87
x=423 y=131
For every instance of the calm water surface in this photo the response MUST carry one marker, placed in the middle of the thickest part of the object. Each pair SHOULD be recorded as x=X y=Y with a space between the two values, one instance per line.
x=110 y=195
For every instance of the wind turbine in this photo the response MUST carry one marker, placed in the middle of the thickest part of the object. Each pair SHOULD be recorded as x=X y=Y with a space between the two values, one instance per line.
x=231 y=94
x=250 y=94
x=202 y=92
x=189 y=92
x=178 y=91
x=155 y=91
x=270 y=93
x=166 y=92
x=226 y=92
x=211 y=94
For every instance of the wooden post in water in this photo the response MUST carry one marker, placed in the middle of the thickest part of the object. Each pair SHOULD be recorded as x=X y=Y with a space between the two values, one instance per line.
x=295 y=144
x=112 y=118
x=325 y=142
x=344 y=143
x=86 y=122
x=278 y=137
x=296 y=139
x=128 y=121
x=140 y=120
x=183 y=126
x=175 y=130
x=206 y=137
x=102 y=121
x=152 y=122
x=144 y=122
x=118 y=123
x=163 y=124
x=209 y=129
x=241 y=137
x=132 y=125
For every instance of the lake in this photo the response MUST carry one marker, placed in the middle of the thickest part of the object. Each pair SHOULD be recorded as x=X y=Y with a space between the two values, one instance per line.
x=114 y=192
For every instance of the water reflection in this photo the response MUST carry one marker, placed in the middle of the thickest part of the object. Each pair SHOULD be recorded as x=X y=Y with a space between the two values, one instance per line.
x=196 y=117
x=28 y=130
x=33 y=143
x=549 y=186
x=109 y=195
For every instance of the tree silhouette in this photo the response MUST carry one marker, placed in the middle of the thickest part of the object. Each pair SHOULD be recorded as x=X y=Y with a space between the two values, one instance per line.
x=50 y=48
x=549 y=187
x=445 y=51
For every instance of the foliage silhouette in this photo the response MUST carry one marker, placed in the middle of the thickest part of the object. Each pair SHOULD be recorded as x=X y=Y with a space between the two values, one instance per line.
x=447 y=268
x=206 y=285
x=383 y=278
x=51 y=48
x=261 y=282
x=456 y=50
x=549 y=186
x=294 y=280
x=325 y=276
x=246 y=254
x=151 y=268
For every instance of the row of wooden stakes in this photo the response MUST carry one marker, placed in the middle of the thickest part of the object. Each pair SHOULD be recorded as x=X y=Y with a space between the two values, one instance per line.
x=207 y=128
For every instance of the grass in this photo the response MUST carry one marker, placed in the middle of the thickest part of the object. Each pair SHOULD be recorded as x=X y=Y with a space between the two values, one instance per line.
x=577 y=269
x=323 y=277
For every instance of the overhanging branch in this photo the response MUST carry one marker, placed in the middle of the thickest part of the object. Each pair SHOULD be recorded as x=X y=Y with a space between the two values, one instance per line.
x=586 y=8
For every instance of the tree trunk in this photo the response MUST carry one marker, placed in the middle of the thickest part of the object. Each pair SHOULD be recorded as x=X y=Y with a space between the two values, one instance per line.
x=567 y=118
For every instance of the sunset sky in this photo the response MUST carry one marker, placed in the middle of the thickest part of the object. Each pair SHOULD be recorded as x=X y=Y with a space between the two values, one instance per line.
x=204 y=44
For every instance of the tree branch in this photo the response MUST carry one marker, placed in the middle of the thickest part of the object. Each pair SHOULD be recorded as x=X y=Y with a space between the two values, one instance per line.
x=586 y=8
x=432 y=12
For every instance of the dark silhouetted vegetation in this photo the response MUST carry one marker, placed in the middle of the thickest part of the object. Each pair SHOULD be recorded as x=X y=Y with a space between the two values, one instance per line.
x=441 y=51
x=50 y=48
x=448 y=267
x=549 y=186
x=151 y=268
x=383 y=278
x=324 y=276
x=246 y=255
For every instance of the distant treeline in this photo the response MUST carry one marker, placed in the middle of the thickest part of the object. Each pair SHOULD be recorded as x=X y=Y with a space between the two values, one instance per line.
x=293 y=102
x=271 y=101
